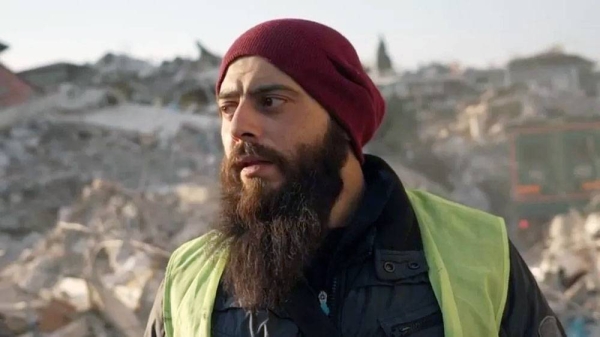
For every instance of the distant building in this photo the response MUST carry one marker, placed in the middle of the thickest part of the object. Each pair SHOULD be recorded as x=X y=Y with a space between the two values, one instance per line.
x=485 y=79
x=13 y=89
x=554 y=70
x=438 y=87
x=51 y=76
x=118 y=67
x=435 y=88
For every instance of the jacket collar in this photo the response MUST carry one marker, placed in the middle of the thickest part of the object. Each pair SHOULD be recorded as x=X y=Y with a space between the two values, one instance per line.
x=385 y=203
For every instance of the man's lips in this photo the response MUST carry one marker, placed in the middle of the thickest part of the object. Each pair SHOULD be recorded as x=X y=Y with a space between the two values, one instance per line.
x=248 y=161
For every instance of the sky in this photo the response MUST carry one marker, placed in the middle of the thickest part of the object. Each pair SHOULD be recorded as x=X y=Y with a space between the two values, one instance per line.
x=472 y=32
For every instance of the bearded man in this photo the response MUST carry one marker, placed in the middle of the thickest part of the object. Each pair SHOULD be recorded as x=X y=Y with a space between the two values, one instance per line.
x=316 y=238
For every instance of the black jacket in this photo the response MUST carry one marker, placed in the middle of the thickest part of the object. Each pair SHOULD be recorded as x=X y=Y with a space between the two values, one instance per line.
x=365 y=299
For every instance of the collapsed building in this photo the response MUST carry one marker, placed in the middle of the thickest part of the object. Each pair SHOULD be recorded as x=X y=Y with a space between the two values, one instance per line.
x=181 y=84
x=556 y=71
x=101 y=175
x=566 y=265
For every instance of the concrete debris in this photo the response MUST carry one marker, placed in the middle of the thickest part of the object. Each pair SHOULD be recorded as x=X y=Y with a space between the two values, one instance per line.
x=74 y=291
x=107 y=254
x=143 y=120
x=49 y=161
x=184 y=85
x=94 y=197
x=115 y=66
x=568 y=270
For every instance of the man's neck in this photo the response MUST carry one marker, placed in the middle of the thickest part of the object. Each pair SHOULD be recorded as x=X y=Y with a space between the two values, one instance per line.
x=351 y=194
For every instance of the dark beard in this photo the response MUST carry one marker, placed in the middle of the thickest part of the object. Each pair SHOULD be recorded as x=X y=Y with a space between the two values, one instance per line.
x=274 y=233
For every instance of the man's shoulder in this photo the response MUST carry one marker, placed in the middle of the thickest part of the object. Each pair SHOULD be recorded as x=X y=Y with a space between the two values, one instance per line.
x=430 y=204
x=197 y=248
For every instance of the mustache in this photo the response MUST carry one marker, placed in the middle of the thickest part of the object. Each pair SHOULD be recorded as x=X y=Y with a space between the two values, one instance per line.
x=259 y=151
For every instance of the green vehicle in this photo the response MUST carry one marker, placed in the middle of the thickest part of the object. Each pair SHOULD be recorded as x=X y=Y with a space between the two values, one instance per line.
x=555 y=166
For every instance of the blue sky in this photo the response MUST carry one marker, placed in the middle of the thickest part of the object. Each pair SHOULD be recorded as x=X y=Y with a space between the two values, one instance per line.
x=471 y=32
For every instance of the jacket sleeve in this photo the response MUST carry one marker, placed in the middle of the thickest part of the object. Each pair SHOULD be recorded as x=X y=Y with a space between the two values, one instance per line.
x=527 y=312
x=155 y=326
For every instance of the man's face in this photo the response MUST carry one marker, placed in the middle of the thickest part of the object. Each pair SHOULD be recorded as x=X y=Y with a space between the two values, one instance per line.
x=280 y=179
x=259 y=104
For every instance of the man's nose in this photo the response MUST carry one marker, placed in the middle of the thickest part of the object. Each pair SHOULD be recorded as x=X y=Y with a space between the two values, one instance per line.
x=246 y=123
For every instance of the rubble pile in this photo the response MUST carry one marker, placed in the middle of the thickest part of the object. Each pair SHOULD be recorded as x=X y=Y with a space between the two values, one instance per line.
x=457 y=168
x=186 y=85
x=475 y=172
x=44 y=165
x=93 y=201
x=496 y=110
x=101 y=265
x=567 y=268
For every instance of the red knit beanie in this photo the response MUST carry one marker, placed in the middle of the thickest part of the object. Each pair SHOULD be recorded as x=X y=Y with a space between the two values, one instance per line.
x=324 y=64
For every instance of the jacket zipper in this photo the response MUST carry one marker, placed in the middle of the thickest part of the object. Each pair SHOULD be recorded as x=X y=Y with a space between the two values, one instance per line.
x=323 y=301
x=328 y=300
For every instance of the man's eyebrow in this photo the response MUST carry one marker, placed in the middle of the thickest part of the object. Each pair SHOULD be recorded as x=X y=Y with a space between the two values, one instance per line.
x=228 y=94
x=268 y=88
x=259 y=90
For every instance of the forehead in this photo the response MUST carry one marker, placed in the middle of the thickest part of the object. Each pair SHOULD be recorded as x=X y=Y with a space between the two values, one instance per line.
x=252 y=71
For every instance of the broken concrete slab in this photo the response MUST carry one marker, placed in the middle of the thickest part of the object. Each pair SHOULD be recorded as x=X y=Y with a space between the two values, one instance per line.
x=74 y=291
x=118 y=314
x=41 y=273
x=143 y=120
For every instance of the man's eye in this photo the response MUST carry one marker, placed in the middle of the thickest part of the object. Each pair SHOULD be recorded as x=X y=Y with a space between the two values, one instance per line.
x=271 y=102
x=227 y=109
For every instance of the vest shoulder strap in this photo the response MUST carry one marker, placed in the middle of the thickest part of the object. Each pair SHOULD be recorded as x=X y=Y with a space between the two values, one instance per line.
x=468 y=254
x=191 y=281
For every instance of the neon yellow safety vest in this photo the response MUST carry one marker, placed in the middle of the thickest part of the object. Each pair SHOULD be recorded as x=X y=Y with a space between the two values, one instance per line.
x=466 y=249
